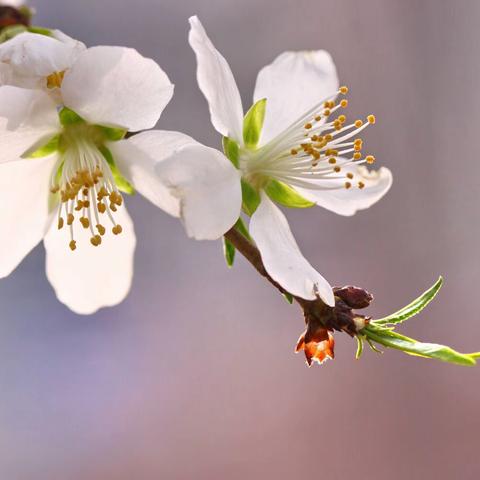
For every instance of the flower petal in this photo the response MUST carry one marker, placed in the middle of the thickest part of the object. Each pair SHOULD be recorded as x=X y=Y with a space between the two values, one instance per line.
x=294 y=83
x=348 y=202
x=217 y=83
x=116 y=86
x=26 y=118
x=91 y=277
x=136 y=158
x=281 y=256
x=27 y=59
x=24 y=218
x=207 y=187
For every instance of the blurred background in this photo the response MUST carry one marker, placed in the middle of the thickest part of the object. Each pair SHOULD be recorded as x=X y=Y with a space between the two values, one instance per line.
x=194 y=375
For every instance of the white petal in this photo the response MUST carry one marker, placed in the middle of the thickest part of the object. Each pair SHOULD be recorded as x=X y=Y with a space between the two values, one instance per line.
x=12 y=3
x=207 y=186
x=348 y=202
x=24 y=217
x=217 y=83
x=281 y=256
x=136 y=158
x=293 y=84
x=26 y=118
x=27 y=59
x=91 y=277
x=117 y=86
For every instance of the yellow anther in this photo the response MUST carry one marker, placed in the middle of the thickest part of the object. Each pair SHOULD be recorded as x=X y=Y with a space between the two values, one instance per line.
x=54 y=189
x=344 y=103
x=370 y=159
x=361 y=185
x=70 y=218
x=101 y=229
x=72 y=245
x=85 y=191
x=358 y=123
x=96 y=240
x=348 y=185
x=86 y=204
x=344 y=90
x=117 y=229
x=371 y=119
x=357 y=155
x=101 y=207
x=328 y=137
x=342 y=118
x=332 y=160
x=337 y=169
x=350 y=175
x=318 y=118
x=113 y=207
x=293 y=151
x=326 y=112
x=60 y=223
x=308 y=126
x=85 y=222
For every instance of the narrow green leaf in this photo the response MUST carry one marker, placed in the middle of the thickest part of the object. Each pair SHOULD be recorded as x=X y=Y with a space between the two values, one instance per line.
x=228 y=252
x=231 y=150
x=359 y=352
x=250 y=198
x=69 y=117
x=112 y=134
x=391 y=339
x=413 y=308
x=51 y=146
x=122 y=184
x=253 y=123
x=288 y=297
x=284 y=195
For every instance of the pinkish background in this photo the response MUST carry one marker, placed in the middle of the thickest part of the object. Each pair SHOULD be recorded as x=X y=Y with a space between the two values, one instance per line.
x=194 y=376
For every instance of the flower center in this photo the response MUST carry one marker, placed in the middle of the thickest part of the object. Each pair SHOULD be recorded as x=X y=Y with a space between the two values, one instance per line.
x=315 y=147
x=85 y=184
x=55 y=80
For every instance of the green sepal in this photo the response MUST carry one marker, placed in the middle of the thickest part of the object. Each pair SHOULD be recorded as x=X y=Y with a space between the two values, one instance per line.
x=122 y=184
x=242 y=228
x=11 y=31
x=288 y=297
x=231 y=150
x=229 y=252
x=69 y=117
x=284 y=195
x=46 y=149
x=391 y=339
x=253 y=123
x=54 y=198
x=413 y=308
x=40 y=31
x=112 y=134
x=250 y=198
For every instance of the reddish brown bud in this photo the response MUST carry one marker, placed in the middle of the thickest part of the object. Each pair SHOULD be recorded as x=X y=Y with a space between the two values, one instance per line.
x=354 y=297
x=11 y=16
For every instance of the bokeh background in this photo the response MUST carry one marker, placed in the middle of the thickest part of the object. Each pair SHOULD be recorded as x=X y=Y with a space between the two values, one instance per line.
x=194 y=375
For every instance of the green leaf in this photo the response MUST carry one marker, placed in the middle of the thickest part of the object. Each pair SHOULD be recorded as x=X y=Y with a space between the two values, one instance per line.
x=229 y=252
x=231 y=150
x=250 y=198
x=122 y=184
x=253 y=123
x=284 y=195
x=391 y=339
x=112 y=134
x=359 y=352
x=46 y=149
x=413 y=308
x=69 y=117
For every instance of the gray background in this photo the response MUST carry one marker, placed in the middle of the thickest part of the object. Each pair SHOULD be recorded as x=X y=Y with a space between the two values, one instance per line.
x=194 y=376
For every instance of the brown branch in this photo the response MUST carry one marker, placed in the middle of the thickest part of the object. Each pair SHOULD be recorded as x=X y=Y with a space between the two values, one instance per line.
x=313 y=310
